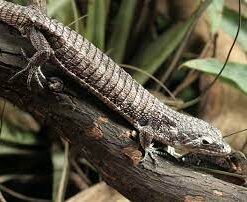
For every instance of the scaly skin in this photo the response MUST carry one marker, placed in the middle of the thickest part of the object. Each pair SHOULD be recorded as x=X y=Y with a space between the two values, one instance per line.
x=81 y=60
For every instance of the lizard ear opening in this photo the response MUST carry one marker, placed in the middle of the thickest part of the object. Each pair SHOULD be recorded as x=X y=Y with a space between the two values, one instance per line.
x=205 y=142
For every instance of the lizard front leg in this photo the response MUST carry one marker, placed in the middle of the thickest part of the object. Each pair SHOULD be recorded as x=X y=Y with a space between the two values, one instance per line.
x=42 y=55
x=146 y=134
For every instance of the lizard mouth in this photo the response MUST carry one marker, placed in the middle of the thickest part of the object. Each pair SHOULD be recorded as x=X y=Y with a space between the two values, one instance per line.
x=213 y=149
x=226 y=149
x=224 y=152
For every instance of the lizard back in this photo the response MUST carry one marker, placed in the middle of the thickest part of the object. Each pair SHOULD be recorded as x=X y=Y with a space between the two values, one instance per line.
x=95 y=70
x=89 y=65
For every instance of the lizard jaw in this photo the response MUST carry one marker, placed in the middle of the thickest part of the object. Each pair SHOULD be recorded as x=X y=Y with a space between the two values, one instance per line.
x=222 y=152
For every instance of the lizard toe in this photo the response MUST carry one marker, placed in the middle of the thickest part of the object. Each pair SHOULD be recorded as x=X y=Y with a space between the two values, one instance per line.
x=24 y=54
x=19 y=73
x=36 y=74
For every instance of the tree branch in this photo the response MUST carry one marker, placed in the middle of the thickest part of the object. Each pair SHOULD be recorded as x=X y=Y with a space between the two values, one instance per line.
x=102 y=136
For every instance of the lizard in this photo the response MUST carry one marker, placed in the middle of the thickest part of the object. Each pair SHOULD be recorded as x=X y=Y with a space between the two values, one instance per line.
x=79 y=59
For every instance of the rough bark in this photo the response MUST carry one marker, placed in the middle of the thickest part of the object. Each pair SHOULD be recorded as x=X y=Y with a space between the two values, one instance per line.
x=102 y=136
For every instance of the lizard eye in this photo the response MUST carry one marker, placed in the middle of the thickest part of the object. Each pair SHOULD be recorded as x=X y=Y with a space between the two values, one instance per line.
x=205 y=142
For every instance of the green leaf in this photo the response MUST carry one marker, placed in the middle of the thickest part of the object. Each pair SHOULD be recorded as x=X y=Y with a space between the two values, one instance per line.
x=21 y=2
x=156 y=52
x=15 y=136
x=234 y=73
x=76 y=15
x=121 y=30
x=215 y=14
x=55 y=7
x=12 y=150
x=96 y=23
x=230 y=25
x=65 y=11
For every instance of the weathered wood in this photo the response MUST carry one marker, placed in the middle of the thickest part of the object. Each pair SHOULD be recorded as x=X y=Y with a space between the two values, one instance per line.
x=102 y=136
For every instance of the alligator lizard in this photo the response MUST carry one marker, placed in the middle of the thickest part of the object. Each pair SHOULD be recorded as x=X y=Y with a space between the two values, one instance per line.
x=82 y=61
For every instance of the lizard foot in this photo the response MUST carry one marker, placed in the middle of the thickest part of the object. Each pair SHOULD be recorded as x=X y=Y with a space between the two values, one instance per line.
x=168 y=153
x=150 y=151
x=33 y=71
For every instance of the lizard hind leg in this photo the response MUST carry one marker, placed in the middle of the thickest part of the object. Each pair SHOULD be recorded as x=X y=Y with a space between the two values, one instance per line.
x=40 y=4
x=41 y=56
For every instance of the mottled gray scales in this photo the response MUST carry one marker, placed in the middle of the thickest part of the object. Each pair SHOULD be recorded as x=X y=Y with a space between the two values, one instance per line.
x=88 y=48
x=76 y=60
x=119 y=94
x=5 y=11
x=83 y=62
x=72 y=38
x=91 y=52
x=99 y=82
x=14 y=17
x=79 y=42
x=138 y=99
x=66 y=33
x=42 y=22
x=111 y=70
x=126 y=98
x=88 y=72
x=56 y=43
x=130 y=99
x=67 y=52
x=59 y=31
x=126 y=90
x=91 y=77
x=70 y=54
x=48 y=25
x=88 y=66
x=110 y=84
x=53 y=27
x=149 y=105
x=157 y=112
x=83 y=46
x=19 y=18
x=75 y=40
x=118 y=87
x=97 y=65
x=143 y=104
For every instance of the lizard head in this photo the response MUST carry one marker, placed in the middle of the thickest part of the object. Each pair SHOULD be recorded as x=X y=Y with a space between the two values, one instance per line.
x=199 y=136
